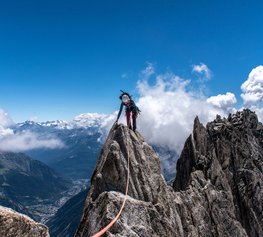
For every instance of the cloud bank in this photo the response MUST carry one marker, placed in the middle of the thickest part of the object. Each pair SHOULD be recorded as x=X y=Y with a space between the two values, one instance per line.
x=22 y=141
x=18 y=142
x=169 y=108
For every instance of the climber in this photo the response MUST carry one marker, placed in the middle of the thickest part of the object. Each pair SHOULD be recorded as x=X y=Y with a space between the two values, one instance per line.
x=131 y=108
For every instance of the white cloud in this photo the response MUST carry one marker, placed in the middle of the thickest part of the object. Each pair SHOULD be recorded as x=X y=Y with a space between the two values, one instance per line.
x=22 y=141
x=203 y=70
x=17 y=142
x=225 y=102
x=252 y=88
x=168 y=110
x=5 y=131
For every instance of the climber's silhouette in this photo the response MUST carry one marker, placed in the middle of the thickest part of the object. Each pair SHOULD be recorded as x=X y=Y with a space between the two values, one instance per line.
x=131 y=108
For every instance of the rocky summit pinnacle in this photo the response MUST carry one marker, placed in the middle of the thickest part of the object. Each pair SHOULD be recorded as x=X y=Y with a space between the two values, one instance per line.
x=217 y=190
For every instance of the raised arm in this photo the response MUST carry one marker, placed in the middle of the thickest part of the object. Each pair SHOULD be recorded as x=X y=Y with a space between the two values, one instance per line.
x=120 y=110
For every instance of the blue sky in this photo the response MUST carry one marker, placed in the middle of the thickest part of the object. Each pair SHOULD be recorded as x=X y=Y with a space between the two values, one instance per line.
x=60 y=58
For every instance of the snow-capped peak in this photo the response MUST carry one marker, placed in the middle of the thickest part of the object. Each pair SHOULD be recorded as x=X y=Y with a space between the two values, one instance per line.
x=90 y=119
x=28 y=123
x=60 y=124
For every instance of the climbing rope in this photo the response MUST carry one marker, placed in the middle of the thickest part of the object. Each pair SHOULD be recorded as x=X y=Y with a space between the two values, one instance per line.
x=102 y=231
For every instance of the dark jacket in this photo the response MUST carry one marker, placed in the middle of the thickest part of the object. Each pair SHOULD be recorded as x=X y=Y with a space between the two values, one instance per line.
x=131 y=106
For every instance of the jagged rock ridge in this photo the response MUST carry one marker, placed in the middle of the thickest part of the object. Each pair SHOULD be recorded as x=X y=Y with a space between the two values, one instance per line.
x=217 y=190
x=15 y=224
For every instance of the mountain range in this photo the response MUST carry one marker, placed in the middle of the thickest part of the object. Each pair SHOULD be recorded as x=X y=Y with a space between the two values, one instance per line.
x=82 y=139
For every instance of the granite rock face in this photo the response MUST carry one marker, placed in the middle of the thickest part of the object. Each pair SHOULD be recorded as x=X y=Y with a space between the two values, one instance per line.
x=217 y=190
x=15 y=224
x=227 y=157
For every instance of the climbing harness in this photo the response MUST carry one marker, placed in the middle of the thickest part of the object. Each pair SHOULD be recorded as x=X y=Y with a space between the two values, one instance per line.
x=102 y=231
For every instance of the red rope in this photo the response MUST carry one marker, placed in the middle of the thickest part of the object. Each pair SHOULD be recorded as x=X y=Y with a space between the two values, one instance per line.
x=102 y=231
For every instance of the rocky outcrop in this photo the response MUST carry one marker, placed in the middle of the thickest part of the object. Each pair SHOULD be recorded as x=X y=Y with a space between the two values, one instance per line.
x=217 y=190
x=16 y=224
x=226 y=159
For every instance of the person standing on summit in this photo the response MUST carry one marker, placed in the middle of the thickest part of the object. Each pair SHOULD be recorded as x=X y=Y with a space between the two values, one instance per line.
x=131 y=108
